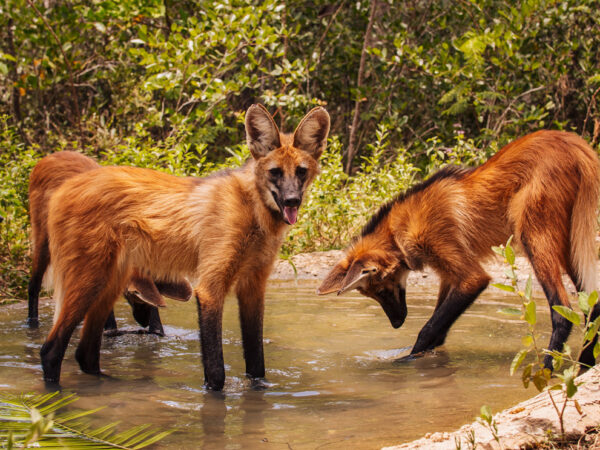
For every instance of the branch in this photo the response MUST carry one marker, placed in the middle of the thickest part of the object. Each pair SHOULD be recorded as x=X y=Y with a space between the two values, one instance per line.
x=589 y=110
x=351 y=152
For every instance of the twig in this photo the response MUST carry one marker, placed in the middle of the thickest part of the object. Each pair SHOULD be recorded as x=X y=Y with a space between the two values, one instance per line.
x=500 y=121
x=351 y=152
x=589 y=109
x=322 y=38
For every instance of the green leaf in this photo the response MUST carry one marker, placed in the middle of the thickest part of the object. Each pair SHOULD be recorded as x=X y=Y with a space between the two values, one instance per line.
x=568 y=314
x=498 y=250
x=510 y=311
x=526 y=376
x=583 y=302
x=592 y=330
x=486 y=413
x=530 y=316
x=517 y=360
x=504 y=287
x=539 y=381
x=593 y=299
x=527 y=340
x=23 y=415
x=509 y=254
x=597 y=349
x=528 y=288
x=571 y=387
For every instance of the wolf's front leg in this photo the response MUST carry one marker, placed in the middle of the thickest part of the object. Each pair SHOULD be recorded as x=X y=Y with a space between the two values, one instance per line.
x=210 y=320
x=251 y=299
x=457 y=300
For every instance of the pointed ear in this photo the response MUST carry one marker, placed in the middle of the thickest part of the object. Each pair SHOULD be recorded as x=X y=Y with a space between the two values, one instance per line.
x=311 y=133
x=333 y=280
x=356 y=277
x=262 y=135
x=145 y=290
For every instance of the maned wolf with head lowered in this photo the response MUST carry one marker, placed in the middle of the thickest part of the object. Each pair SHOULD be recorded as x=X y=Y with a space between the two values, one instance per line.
x=542 y=188
x=220 y=231
x=143 y=294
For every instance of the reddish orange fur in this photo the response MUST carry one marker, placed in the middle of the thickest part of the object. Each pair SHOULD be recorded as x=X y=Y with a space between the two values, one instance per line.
x=218 y=231
x=542 y=188
x=46 y=177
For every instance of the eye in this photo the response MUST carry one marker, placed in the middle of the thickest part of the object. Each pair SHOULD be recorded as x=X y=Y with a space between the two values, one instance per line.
x=276 y=172
x=301 y=172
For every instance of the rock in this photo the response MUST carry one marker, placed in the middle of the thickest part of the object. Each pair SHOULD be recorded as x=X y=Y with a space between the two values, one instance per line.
x=525 y=424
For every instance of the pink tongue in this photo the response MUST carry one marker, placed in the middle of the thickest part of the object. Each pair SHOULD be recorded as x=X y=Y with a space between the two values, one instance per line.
x=291 y=214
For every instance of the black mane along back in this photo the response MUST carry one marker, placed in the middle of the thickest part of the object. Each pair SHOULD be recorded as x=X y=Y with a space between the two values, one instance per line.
x=456 y=172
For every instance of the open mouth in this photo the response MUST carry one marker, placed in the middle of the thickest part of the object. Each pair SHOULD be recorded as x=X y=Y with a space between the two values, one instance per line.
x=290 y=213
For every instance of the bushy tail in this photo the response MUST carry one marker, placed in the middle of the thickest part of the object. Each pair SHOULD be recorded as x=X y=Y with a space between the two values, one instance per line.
x=51 y=282
x=584 y=221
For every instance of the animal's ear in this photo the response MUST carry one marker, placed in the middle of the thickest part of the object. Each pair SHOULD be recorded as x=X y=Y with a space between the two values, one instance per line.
x=356 y=277
x=333 y=280
x=262 y=135
x=311 y=133
x=145 y=290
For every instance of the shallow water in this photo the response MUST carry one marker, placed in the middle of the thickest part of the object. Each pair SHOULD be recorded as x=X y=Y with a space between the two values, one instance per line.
x=333 y=376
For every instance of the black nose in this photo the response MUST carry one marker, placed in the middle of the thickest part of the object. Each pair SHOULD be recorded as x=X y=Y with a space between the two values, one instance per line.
x=292 y=202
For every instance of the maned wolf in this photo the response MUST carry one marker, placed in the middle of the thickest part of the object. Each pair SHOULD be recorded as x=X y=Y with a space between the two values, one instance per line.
x=220 y=231
x=142 y=293
x=542 y=188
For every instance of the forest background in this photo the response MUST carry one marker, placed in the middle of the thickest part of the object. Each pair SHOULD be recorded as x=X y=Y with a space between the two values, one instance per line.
x=410 y=86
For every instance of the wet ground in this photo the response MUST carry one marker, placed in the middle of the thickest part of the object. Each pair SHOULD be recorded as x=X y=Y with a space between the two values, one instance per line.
x=334 y=380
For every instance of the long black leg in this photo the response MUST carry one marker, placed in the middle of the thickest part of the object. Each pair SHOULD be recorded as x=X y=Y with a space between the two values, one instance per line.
x=155 y=325
x=587 y=356
x=434 y=333
x=111 y=322
x=210 y=323
x=41 y=259
x=548 y=272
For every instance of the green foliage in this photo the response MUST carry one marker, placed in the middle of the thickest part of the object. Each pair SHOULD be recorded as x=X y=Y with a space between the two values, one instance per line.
x=165 y=85
x=435 y=72
x=15 y=165
x=43 y=420
x=535 y=372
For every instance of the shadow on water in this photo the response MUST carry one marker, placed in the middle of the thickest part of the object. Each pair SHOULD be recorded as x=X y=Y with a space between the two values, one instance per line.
x=337 y=372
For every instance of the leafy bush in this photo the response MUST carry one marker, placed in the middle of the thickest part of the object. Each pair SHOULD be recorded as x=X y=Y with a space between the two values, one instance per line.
x=15 y=165
x=165 y=85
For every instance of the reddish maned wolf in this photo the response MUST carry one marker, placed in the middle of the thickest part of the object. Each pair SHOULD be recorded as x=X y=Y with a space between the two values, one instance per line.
x=220 y=231
x=542 y=188
x=142 y=293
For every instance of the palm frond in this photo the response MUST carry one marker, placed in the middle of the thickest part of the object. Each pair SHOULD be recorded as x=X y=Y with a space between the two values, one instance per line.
x=37 y=418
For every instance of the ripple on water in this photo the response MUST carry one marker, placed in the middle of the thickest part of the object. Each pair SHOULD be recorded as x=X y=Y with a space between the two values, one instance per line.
x=332 y=372
x=383 y=355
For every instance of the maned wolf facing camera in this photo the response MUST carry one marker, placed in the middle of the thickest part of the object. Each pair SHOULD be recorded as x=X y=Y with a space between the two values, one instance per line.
x=220 y=231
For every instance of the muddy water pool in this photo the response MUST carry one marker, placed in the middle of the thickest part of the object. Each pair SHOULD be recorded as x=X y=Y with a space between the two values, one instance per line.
x=332 y=371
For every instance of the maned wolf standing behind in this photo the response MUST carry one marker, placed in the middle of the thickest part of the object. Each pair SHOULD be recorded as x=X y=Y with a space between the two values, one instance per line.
x=542 y=188
x=220 y=231
x=142 y=293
